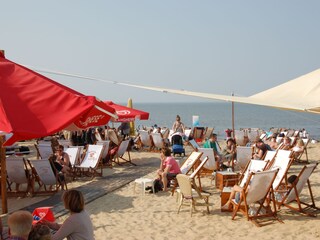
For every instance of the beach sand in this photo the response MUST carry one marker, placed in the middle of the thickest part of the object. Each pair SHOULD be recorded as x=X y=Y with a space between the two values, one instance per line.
x=125 y=214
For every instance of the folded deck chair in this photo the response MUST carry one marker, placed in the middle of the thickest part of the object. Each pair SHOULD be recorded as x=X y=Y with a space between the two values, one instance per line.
x=120 y=154
x=187 y=166
x=158 y=140
x=251 y=200
x=292 y=199
x=194 y=144
x=92 y=161
x=239 y=136
x=50 y=179
x=18 y=174
x=190 y=197
x=44 y=151
x=146 y=140
x=244 y=155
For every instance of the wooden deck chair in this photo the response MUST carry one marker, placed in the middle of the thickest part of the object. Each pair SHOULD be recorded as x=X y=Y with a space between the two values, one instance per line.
x=165 y=133
x=158 y=140
x=106 y=145
x=244 y=155
x=51 y=180
x=187 y=166
x=198 y=134
x=122 y=150
x=92 y=161
x=306 y=142
x=252 y=135
x=212 y=164
x=190 y=197
x=65 y=143
x=74 y=154
x=113 y=137
x=252 y=202
x=194 y=144
x=253 y=166
x=292 y=199
x=18 y=174
x=239 y=136
x=146 y=140
x=283 y=164
x=44 y=151
x=269 y=156
x=208 y=133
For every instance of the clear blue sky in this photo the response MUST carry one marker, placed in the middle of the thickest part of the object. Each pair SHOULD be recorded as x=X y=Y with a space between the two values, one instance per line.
x=207 y=46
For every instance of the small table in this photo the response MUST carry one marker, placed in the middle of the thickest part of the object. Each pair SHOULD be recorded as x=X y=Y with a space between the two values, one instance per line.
x=226 y=179
x=144 y=182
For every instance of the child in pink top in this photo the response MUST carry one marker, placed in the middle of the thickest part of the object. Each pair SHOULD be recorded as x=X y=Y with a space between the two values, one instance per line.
x=169 y=167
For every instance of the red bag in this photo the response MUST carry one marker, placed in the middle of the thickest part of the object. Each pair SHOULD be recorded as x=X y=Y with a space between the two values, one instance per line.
x=43 y=213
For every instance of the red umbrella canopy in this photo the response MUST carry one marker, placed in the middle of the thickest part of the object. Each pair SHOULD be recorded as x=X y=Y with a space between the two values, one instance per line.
x=126 y=114
x=33 y=106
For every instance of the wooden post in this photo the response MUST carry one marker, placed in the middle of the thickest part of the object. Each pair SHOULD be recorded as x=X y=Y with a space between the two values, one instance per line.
x=3 y=176
x=3 y=169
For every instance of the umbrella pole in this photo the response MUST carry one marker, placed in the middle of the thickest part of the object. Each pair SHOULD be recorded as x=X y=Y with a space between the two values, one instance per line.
x=132 y=132
x=3 y=177
x=232 y=104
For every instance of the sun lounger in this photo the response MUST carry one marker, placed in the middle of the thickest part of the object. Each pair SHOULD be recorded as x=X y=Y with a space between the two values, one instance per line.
x=106 y=145
x=158 y=140
x=44 y=150
x=244 y=155
x=212 y=164
x=145 y=140
x=120 y=154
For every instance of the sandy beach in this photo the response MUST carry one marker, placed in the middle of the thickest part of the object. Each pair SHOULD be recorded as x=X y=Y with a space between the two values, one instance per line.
x=121 y=213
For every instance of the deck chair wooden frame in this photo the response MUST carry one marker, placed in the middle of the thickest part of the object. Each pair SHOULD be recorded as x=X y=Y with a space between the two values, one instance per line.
x=255 y=193
x=146 y=140
x=292 y=195
x=187 y=166
x=18 y=174
x=158 y=141
x=252 y=167
x=188 y=195
x=49 y=177
x=198 y=134
x=239 y=136
x=122 y=150
x=91 y=162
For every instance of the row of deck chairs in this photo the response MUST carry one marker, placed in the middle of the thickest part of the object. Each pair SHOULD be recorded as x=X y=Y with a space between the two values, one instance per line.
x=265 y=188
x=21 y=171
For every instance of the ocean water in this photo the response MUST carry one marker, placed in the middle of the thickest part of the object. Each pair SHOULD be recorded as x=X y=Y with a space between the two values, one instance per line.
x=219 y=116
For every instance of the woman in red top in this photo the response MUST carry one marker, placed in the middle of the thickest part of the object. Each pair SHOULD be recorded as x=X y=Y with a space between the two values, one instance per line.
x=169 y=167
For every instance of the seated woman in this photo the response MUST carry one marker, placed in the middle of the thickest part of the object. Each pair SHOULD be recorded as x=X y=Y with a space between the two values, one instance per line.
x=169 y=167
x=261 y=150
x=286 y=144
x=229 y=152
x=62 y=162
x=78 y=225
x=298 y=149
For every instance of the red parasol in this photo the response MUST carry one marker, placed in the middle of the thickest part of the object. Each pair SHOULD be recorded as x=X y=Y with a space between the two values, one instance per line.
x=126 y=114
x=33 y=106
